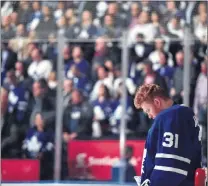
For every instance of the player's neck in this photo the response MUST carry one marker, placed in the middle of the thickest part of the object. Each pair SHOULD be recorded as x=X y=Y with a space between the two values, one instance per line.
x=168 y=104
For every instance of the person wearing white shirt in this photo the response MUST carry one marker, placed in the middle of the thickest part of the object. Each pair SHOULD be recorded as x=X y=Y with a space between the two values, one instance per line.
x=39 y=68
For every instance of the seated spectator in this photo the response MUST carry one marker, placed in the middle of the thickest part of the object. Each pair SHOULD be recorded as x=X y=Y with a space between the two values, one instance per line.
x=39 y=68
x=165 y=70
x=61 y=25
x=155 y=55
x=52 y=81
x=117 y=114
x=131 y=87
x=200 y=29
x=140 y=50
x=35 y=16
x=46 y=25
x=24 y=12
x=59 y=12
x=169 y=11
x=175 y=27
x=77 y=119
x=109 y=29
x=79 y=61
x=68 y=87
x=85 y=29
x=145 y=27
x=80 y=80
x=134 y=13
x=103 y=78
x=7 y=31
x=39 y=144
x=14 y=20
x=102 y=109
x=20 y=42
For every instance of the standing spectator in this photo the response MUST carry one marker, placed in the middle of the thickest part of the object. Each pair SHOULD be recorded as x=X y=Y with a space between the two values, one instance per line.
x=176 y=91
x=39 y=68
x=8 y=59
x=42 y=102
x=38 y=144
x=77 y=118
x=200 y=108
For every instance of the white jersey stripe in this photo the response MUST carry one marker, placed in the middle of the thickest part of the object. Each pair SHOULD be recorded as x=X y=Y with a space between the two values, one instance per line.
x=172 y=156
x=171 y=169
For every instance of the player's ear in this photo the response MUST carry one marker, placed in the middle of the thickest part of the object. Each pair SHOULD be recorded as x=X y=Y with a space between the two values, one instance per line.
x=157 y=102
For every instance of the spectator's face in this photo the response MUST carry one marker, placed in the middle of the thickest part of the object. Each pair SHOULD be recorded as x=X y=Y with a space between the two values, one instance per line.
x=175 y=22
x=144 y=17
x=46 y=11
x=76 y=97
x=6 y=21
x=109 y=65
x=60 y=5
x=35 y=55
x=170 y=5
x=36 y=6
x=159 y=44
x=203 y=18
x=39 y=122
x=102 y=91
x=179 y=58
x=147 y=69
x=75 y=71
x=77 y=52
x=31 y=47
x=37 y=90
x=61 y=22
x=24 y=5
x=154 y=17
x=202 y=8
x=162 y=58
x=112 y=8
x=102 y=74
x=11 y=77
x=68 y=85
x=69 y=13
x=134 y=9
x=14 y=17
x=19 y=67
x=86 y=16
x=108 y=20
x=100 y=44
x=20 y=30
x=204 y=68
x=66 y=52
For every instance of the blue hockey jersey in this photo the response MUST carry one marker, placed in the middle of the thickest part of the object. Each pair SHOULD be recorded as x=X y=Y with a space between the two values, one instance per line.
x=173 y=149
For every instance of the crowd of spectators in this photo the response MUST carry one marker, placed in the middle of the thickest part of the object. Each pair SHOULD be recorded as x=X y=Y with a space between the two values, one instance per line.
x=92 y=84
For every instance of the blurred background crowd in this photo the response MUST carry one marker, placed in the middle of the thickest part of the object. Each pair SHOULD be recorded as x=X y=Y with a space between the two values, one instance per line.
x=92 y=84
